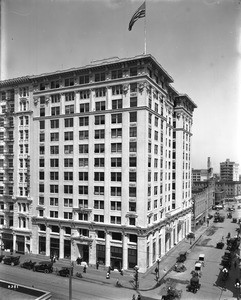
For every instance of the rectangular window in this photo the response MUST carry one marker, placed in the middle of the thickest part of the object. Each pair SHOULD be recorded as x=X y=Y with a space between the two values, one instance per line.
x=133 y=87
x=99 y=218
x=54 y=123
x=55 y=111
x=132 y=176
x=54 y=189
x=69 y=136
x=117 y=104
x=100 y=92
x=41 y=124
x=68 y=202
x=69 y=109
x=100 y=134
x=115 y=176
x=100 y=120
x=116 y=147
x=98 y=204
x=68 y=162
x=84 y=121
x=116 y=74
x=42 y=112
x=84 y=107
x=84 y=94
x=83 y=79
x=115 y=205
x=83 y=135
x=54 y=175
x=117 y=90
x=83 y=203
x=99 y=190
x=99 y=148
x=133 y=101
x=84 y=148
x=83 y=190
x=115 y=191
x=68 y=149
x=115 y=220
x=99 y=176
x=99 y=162
x=69 y=122
x=41 y=137
x=116 y=162
x=133 y=116
x=54 y=84
x=116 y=118
x=55 y=98
x=68 y=176
x=54 y=136
x=133 y=146
x=68 y=215
x=99 y=106
x=83 y=216
x=99 y=77
x=54 y=214
x=83 y=162
x=133 y=131
x=116 y=132
x=69 y=81
x=132 y=191
x=69 y=96
x=83 y=176
x=54 y=149
x=54 y=163
x=68 y=189
x=133 y=71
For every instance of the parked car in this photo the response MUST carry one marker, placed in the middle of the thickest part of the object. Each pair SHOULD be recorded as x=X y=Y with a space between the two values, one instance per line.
x=28 y=264
x=43 y=266
x=11 y=260
x=1 y=257
x=64 y=272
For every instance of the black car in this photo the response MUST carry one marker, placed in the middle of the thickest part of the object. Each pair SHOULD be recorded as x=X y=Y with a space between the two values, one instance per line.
x=11 y=260
x=64 y=272
x=43 y=266
x=28 y=264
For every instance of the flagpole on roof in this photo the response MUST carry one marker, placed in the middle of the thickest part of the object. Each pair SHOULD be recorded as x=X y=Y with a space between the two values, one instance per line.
x=145 y=31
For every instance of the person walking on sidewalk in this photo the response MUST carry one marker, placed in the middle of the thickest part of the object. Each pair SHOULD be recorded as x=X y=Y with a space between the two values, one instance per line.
x=97 y=265
x=84 y=270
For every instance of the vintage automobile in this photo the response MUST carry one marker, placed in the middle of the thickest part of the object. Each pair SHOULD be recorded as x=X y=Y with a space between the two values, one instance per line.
x=182 y=257
x=201 y=259
x=229 y=215
x=226 y=262
x=227 y=255
x=43 y=266
x=28 y=264
x=172 y=294
x=64 y=272
x=234 y=220
x=11 y=260
x=220 y=245
x=232 y=244
x=179 y=267
x=194 y=285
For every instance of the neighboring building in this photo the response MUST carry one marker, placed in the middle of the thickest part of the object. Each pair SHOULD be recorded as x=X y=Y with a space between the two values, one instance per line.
x=230 y=188
x=229 y=171
x=203 y=174
x=95 y=162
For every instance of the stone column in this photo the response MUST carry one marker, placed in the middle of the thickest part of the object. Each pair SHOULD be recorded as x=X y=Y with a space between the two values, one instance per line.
x=61 y=242
x=62 y=102
x=107 y=249
x=125 y=251
x=92 y=248
x=47 y=240
x=14 y=242
x=77 y=102
x=141 y=253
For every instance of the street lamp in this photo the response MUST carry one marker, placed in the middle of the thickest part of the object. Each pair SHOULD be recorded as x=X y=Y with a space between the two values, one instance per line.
x=136 y=268
x=158 y=267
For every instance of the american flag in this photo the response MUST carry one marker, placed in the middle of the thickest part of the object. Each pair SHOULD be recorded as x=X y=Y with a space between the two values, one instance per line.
x=140 y=13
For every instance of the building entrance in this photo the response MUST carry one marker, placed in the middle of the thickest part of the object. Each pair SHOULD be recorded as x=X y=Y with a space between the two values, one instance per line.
x=116 y=257
x=83 y=252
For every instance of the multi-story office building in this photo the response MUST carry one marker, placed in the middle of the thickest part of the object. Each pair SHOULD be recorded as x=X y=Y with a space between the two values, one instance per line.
x=203 y=174
x=229 y=171
x=95 y=163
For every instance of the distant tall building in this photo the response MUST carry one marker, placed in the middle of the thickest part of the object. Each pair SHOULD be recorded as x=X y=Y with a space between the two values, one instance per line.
x=95 y=163
x=203 y=174
x=229 y=171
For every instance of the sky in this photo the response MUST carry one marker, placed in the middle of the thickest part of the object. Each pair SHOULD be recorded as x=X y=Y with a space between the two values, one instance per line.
x=196 y=41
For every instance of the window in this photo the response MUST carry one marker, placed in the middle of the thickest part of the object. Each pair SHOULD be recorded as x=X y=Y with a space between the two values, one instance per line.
x=100 y=120
x=54 y=163
x=133 y=101
x=132 y=221
x=115 y=220
x=132 y=191
x=54 y=123
x=68 y=175
x=54 y=201
x=100 y=134
x=41 y=201
x=83 y=190
x=84 y=121
x=116 y=132
x=69 y=122
x=41 y=188
x=100 y=92
x=83 y=79
x=54 y=84
x=115 y=176
x=54 y=149
x=41 y=176
x=132 y=206
x=69 y=81
x=41 y=124
x=84 y=107
x=116 y=118
x=83 y=216
x=99 y=106
x=83 y=176
x=99 y=77
x=83 y=203
x=133 y=146
x=84 y=148
x=68 y=149
x=99 y=190
x=117 y=104
x=98 y=204
x=41 y=163
x=84 y=94
x=132 y=176
x=55 y=111
x=42 y=112
x=69 y=96
x=54 y=175
x=99 y=148
x=69 y=136
x=99 y=176
x=116 y=147
x=83 y=135
x=54 y=136
x=133 y=71
x=68 y=202
x=133 y=116
x=69 y=109
x=116 y=74
x=68 y=189
x=133 y=131
x=83 y=162
x=133 y=87
x=117 y=90
x=54 y=214
x=68 y=215
x=116 y=162
x=115 y=205
x=54 y=188
x=55 y=98
x=99 y=162
x=42 y=99
x=115 y=191
x=68 y=162
x=99 y=218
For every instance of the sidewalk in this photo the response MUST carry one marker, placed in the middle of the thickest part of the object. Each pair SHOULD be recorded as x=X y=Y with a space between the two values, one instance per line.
x=147 y=281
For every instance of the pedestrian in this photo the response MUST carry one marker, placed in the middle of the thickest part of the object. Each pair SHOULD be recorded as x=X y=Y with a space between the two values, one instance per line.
x=84 y=270
x=97 y=265
x=156 y=271
x=133 y=297
x=121 y=272
x=107 y=275
x=109 y=269
x=139 y=297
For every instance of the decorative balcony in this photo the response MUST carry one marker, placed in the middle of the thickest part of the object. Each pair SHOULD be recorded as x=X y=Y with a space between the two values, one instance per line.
x=82 y=209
